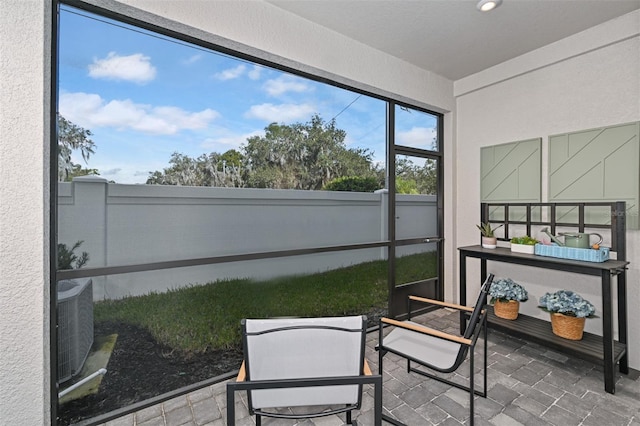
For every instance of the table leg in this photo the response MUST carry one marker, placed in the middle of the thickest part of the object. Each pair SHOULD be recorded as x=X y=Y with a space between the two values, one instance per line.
x=622 y=320
x=463 y=291
x=607 y=333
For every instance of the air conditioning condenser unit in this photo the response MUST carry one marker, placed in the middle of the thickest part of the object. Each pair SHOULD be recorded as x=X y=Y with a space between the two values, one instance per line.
x=75 y=326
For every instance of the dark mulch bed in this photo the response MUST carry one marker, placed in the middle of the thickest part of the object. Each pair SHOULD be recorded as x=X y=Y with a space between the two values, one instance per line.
x=140 y=368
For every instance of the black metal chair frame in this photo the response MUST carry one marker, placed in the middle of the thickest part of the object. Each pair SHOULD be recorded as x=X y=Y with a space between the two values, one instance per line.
x=244 y=383
x=477 y=323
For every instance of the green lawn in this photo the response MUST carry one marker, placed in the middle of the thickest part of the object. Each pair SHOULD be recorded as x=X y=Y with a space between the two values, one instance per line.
x=199 y=318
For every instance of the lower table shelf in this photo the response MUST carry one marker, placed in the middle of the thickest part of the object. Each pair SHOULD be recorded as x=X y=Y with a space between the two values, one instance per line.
x=539 y=331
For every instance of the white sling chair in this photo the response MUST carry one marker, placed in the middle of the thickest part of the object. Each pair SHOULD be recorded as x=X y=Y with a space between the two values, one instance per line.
x=310 y=362
x=437 y=350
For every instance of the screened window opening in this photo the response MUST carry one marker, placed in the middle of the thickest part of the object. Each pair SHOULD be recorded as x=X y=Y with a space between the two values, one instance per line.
x=196 y=188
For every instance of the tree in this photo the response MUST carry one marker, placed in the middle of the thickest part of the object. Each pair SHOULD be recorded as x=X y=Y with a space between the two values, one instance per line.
x=303 y=156
x=415 y=179
x=354 y=184
x=296 y=156
x=406 y=186
x=78 y=170
x=232 y=158
x=72 y=137
x=206 y=170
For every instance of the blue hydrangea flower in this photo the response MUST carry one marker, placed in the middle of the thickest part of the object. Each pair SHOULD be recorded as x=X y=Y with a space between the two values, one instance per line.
x=568 y=303
x=506 y=289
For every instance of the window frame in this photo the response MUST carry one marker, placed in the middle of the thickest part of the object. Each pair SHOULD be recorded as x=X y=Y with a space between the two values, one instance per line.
x=138 y=18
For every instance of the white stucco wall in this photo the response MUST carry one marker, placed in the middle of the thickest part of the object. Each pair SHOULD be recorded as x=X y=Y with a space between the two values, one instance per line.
x=24 y=233
x=134 y=224
x=589 y=80
x=254 y=27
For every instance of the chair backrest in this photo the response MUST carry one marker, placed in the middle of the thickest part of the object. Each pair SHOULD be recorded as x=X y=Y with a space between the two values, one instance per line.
x=291 y=348
x=474 y=319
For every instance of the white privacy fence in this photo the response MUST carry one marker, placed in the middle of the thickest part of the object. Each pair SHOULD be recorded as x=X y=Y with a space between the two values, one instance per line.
x=133 y=224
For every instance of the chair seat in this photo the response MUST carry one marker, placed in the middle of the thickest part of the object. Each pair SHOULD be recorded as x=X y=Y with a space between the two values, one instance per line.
x=431 y=351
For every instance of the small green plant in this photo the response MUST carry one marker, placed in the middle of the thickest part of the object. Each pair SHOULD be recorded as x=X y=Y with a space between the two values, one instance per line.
x=507 y=289
x=526 y=240
x=486 y=230
x=67 y=259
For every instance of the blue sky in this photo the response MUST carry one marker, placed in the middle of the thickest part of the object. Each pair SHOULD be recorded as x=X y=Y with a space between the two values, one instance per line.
x=145 y=96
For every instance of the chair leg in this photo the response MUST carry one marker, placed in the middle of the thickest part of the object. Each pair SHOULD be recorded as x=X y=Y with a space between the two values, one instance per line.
x=471 y=388
x=349 y=420
x=258 y=420
x=485 y=358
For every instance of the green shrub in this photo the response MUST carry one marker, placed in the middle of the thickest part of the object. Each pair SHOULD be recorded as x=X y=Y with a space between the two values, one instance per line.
x=67 y=259
x=353 y=184
x=406 y=186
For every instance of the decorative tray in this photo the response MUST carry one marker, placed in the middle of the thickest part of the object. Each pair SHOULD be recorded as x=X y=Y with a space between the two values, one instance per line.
x=588 y=255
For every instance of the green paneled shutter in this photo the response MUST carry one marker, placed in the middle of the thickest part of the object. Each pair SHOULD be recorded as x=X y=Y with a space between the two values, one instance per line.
x=511 y=172
x=597 y=165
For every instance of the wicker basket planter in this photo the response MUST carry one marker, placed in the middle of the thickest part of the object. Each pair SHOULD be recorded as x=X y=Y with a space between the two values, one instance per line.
x=507 y=310
x=570 y=328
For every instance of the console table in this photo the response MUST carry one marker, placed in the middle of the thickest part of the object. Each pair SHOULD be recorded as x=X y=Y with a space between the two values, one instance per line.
x=601 y=349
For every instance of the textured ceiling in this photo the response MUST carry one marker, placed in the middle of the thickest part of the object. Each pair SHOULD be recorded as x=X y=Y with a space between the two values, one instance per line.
x=451 y=37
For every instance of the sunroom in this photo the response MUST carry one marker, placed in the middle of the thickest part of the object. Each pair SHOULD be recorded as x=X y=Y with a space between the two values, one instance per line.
x=240 y=159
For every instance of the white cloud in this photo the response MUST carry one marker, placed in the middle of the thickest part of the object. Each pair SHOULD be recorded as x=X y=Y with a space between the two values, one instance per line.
x=124 y=174
x=231 y=73
x=284 y=84
x=111 y=172
x=280 y=113
x=254 y=74
x=417 y=137
x=226 y=142
x=134 y=170
x=136 y=68
x=239 y=71
x=193 y=59
x=90 y=110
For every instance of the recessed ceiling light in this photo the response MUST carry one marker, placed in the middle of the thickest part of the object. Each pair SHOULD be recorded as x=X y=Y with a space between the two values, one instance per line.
x=487 y=5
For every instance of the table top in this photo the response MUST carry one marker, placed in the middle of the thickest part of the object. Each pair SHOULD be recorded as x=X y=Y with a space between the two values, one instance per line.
x=503 y=254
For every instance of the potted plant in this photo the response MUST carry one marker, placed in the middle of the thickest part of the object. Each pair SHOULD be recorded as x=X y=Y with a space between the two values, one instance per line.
x=568 y=313
x=489 y=239
x=524 y=244
x=506 y=296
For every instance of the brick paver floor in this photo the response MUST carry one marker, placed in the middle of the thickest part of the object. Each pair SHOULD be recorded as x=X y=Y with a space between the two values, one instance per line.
x=528 y=384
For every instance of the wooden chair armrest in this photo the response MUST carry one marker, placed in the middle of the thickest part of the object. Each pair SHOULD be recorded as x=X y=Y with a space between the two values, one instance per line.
x=437 y=302
x=242 y=374
x=366 y=370
x=428 y=331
